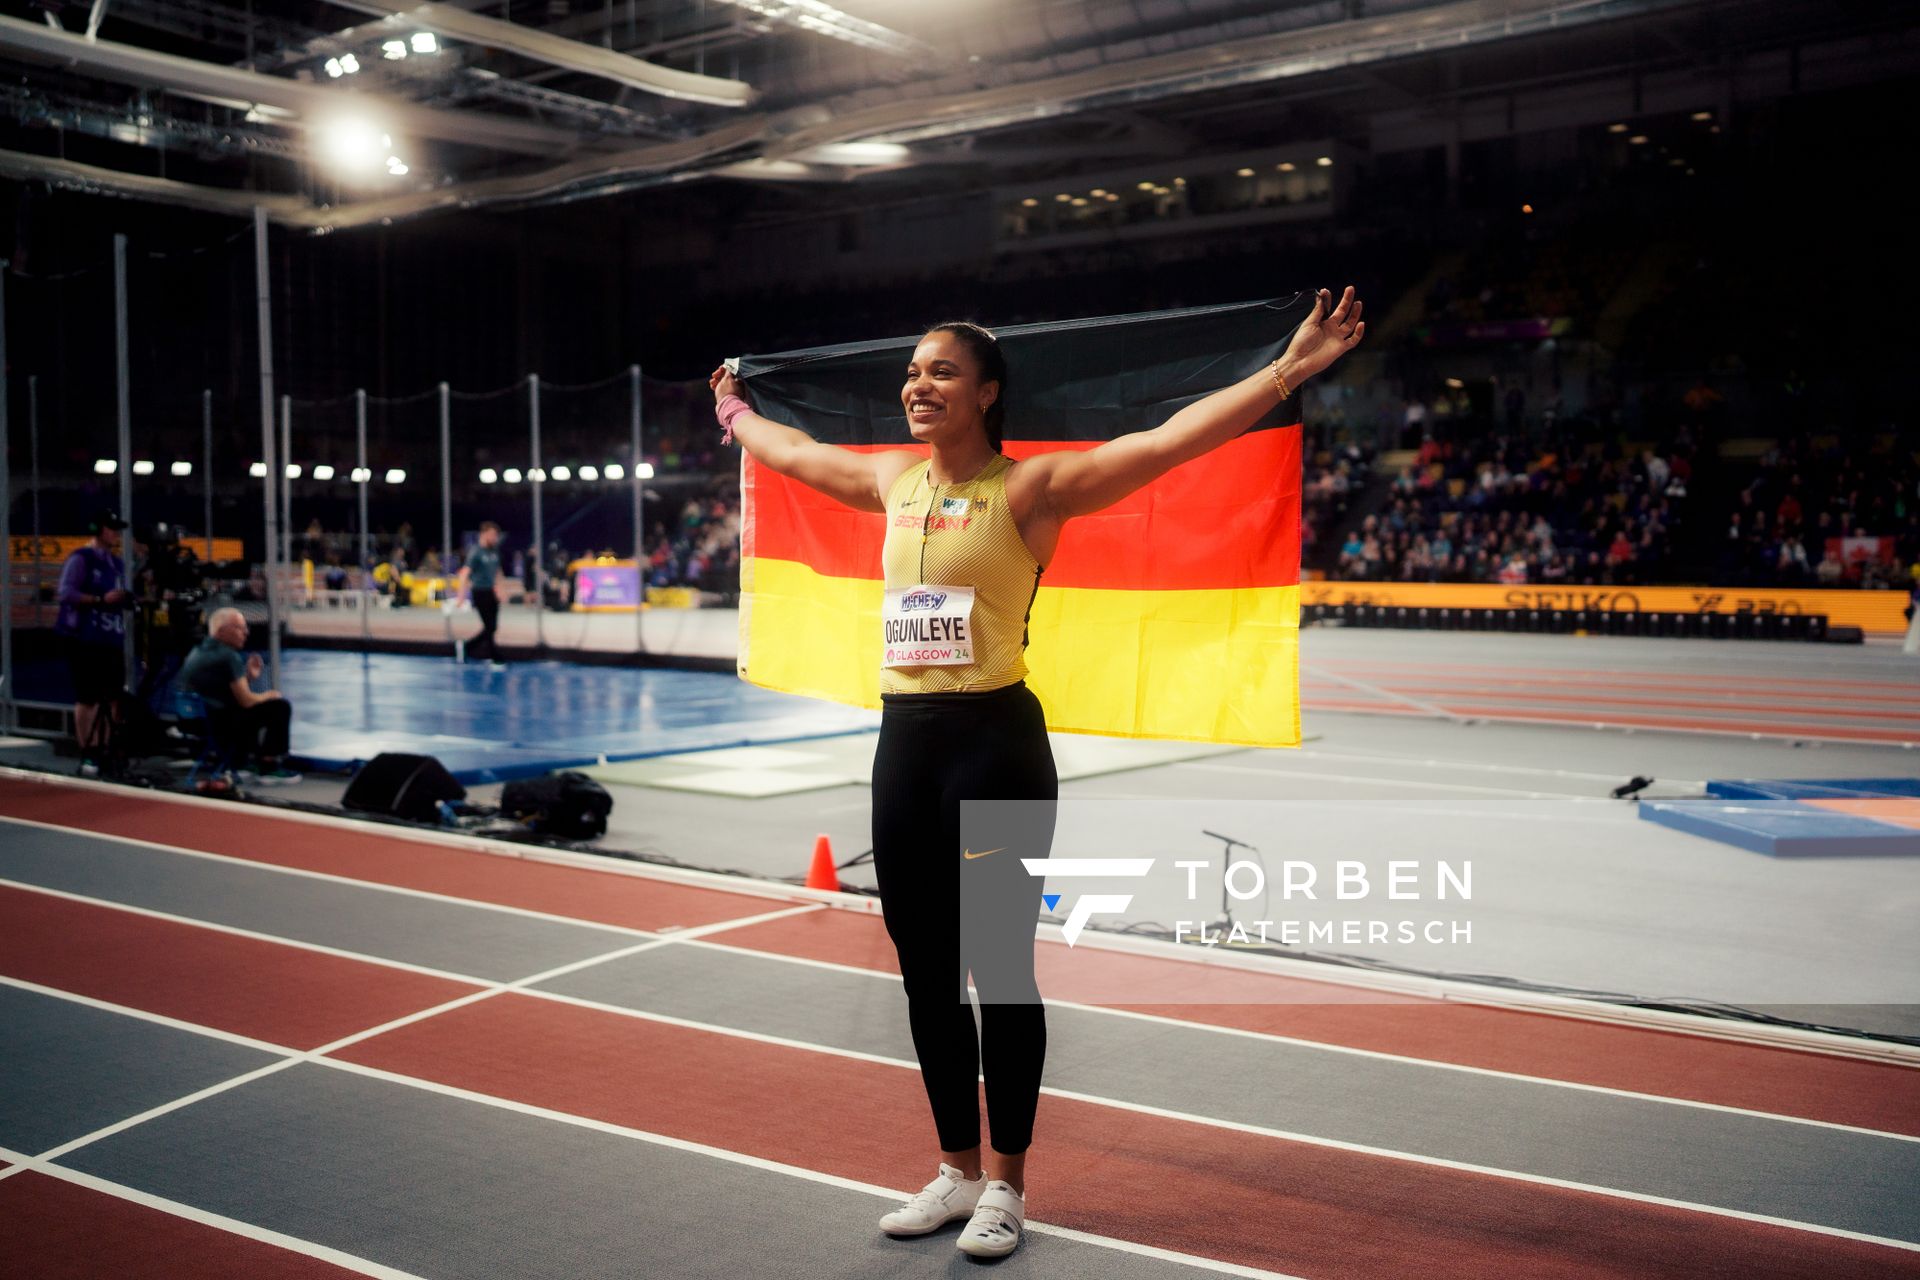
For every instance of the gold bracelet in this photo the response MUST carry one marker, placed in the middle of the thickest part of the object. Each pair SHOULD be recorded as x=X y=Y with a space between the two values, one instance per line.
x=1280 y=383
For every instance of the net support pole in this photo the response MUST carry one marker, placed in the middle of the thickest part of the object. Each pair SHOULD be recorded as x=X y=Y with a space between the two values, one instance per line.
x=285 y=481
x=6 y=527
x=124 y=419
x=33 y=464
x=446 y=479
x=536 y=475
x=364 y=474
x=206 y=465
x=263 y=313
x=639 y=514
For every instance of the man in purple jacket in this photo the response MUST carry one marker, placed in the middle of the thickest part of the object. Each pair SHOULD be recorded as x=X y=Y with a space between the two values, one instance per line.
x=93 y=618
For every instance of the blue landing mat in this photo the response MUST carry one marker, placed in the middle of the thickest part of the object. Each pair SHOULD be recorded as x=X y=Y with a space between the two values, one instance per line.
x=1812 y=788
x=534 y=717
x=1783 y=828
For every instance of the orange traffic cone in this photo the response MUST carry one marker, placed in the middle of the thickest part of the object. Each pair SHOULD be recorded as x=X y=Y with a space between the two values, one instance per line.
x=821 y=874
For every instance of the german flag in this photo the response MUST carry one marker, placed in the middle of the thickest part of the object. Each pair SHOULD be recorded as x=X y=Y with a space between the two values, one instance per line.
x=1174 y=614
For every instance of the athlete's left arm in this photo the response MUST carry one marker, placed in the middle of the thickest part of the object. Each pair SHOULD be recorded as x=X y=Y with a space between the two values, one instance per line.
x=1075 y=484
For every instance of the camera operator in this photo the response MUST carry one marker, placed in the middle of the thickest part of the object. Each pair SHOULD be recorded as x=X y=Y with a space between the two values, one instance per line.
x=248 y=724
x=93 y=602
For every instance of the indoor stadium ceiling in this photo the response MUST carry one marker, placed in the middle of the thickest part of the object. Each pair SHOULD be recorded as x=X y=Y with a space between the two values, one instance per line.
x=339 y=113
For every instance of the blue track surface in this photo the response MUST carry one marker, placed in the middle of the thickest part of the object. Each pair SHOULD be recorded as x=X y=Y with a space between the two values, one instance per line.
x=534 y=717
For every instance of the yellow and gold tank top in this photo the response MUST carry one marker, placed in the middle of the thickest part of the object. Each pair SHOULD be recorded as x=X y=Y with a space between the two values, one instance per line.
x=960 y=536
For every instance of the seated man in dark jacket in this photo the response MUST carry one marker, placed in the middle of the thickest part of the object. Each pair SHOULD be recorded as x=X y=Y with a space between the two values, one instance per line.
x=249 y=724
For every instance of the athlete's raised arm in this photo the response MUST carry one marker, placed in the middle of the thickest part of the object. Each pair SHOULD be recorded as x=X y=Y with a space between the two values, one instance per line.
x=860 y=480
x=1074 y=484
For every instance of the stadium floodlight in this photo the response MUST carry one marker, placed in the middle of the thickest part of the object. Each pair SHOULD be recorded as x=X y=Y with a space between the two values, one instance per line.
x=563 y=472
x=488 y=475
x=614 y=471
x=396 y=476
x=511 y=475
x=360 y=475
x=180 y=469
x=293 y=471
x=423 y=42
x=142 y=466
x=258 y=470
x=353 y=145
x=537 y=474
x=323 y=472
x=105 y=466
x=646 y=471
x=394 y=50
x=589 y=472
x=349 y=63
x=334 y=69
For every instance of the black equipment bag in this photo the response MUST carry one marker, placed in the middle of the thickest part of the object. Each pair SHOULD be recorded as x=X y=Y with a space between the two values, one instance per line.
x=568 y=804
x=403 y=786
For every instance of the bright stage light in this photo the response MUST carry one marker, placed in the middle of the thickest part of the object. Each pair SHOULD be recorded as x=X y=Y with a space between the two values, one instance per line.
x=360 y=475
x=589 y=472
x=423 y=42
x=142 y=467
x=512 y=475
x=349 y=63
x=354 y=146
x=181 y=468
x=258 y=470
x=563 y=472
x=394 y=49
x=614 y=471
x=323 y=472
x=105 y=466
x=536 y=474
x=488 y=475
x=396 y=476
x=334 y=68
x=293 y=471
x=646 y=471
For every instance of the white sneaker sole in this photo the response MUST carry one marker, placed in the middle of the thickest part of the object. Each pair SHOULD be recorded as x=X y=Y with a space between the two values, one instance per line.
x=929 y=1229
x=983 y=1249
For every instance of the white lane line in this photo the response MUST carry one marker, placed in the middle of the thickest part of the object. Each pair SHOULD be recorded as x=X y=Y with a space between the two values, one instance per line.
x=83 y=833
x=1426 y=708
x=735 y=885
x=160 y=1019
x=1466 y=766
x=310 y=1055
x=232 y=1226
x=696 y=937
x=236 y=931
x=1378 y=781
x=1284 y=1135
x=774 y=1166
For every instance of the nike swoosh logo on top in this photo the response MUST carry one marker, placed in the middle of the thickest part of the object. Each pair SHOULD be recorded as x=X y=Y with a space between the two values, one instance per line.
x=968 y=853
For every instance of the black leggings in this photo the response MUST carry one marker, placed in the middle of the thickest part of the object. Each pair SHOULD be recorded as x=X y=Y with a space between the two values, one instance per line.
x=936 y=750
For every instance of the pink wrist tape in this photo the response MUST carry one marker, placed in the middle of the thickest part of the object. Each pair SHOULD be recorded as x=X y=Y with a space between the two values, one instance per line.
x=726 y=411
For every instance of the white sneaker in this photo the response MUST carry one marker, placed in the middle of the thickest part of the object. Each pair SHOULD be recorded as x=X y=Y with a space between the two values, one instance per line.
x=997 y=1221
x=946 y=1198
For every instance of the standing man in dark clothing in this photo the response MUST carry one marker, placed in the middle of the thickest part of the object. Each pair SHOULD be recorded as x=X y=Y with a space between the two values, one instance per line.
x=481 y=575
x=93 y=603
x=251 y=725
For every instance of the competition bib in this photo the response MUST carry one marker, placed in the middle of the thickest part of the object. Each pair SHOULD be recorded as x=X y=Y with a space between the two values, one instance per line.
x=927 y=626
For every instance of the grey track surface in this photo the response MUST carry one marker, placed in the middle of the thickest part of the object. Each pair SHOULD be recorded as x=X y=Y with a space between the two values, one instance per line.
x=442 y=1186
x=67 y=1070
x=1753 y=1164
x=434 y=933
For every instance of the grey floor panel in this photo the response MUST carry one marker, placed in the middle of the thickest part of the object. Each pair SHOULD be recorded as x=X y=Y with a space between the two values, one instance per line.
x=1860 y=1182
x=448 y=1188
x=390 y=926
x=67 y=1069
